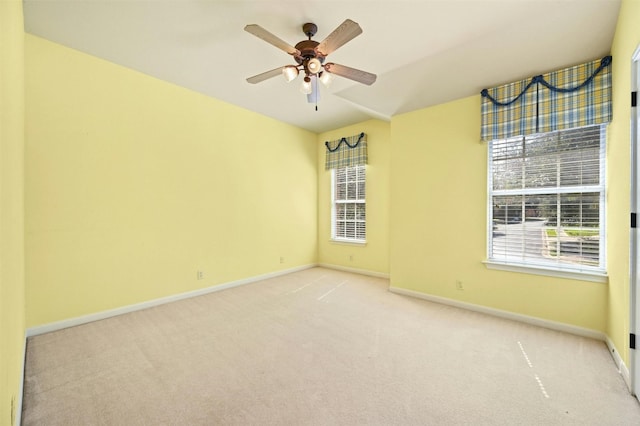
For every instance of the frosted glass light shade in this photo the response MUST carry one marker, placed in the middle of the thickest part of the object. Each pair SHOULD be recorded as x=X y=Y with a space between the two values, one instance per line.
x=306 y=87
x=326 y=78
x=290 y=73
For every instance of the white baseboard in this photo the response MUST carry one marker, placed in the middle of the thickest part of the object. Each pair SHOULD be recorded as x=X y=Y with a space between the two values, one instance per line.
x=553 y=325
x=354 y=270
x=622 y=368
x=71 y=322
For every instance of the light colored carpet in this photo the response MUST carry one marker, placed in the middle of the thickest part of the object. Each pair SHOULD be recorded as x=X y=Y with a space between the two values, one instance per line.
x=319 y=347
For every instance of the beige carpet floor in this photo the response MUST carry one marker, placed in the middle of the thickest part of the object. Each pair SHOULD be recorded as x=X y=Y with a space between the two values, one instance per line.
x=319 y=347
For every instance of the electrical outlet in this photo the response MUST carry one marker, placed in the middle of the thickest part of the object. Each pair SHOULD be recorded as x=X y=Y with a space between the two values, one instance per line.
x=281 y=259
x=459 y=285
x=351 y=257
x=200 y=275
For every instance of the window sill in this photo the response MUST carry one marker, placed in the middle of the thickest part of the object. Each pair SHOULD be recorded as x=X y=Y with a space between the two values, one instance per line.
x=597 y=277
x=348 y=242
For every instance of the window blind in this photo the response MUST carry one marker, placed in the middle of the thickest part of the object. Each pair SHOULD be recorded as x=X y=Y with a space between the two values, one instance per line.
x=349 y=221
x=547 y=199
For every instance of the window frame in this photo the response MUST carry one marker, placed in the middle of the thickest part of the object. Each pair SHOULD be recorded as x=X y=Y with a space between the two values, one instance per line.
x=335 y=202
x=557 y=269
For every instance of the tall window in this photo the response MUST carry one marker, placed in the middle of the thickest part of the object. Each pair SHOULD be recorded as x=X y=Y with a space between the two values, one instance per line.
x=349 y=209
x=547 y=200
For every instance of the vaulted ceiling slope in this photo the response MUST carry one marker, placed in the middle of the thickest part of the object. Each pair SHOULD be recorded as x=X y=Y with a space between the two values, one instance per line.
x=423 y=52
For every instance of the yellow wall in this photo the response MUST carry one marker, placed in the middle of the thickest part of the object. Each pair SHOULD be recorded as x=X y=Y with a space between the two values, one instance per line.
x=133 y=185
x=12 y=304
x=626 y=40
x=438 y=223
x=374 y=256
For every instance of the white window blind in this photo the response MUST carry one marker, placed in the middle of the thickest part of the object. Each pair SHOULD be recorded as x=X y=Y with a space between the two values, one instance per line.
x=349 y=208
x=546 y=194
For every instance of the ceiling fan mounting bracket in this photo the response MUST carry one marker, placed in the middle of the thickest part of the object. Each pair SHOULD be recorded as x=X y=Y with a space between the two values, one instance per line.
x=310 y=29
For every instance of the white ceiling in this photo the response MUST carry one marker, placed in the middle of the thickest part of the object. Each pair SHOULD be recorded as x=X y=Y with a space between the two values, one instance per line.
x=424 y=52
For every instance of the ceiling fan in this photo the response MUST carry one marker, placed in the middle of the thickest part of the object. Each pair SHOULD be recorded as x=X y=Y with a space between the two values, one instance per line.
x=310 y=55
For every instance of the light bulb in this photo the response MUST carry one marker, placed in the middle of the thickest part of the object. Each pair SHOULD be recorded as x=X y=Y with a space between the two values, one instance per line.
x=290 y=72
x=326 y=78
x=314 y=65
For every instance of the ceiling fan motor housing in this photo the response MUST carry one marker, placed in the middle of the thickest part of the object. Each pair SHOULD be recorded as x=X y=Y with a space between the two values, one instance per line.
x=307 y=50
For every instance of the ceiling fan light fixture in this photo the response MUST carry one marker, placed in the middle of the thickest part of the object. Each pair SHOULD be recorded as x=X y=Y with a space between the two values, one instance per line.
x=326 y=78
x=306 y=86
x=290 y=73
x=310 y=56
x=314 y=65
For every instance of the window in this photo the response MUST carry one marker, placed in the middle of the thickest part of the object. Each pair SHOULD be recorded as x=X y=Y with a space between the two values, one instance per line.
x=547 y=200
x=348 y=213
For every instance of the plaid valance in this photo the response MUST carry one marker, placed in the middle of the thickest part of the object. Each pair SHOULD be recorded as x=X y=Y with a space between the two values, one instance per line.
x=572 y=97
x=346 y=152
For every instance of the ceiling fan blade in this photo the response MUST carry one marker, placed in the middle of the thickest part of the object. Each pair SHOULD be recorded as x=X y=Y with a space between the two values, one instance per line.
x=265 y=75
x=350 y=73
x=265 y=35
x=347 y=31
